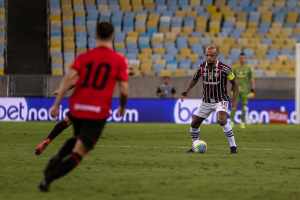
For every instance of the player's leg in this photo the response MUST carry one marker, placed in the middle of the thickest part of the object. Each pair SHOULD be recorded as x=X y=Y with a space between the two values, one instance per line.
x=233 y=111
x=244 y=98
x=195 y=127
x=85 y=141
x=197 y=119
x=64 y=151
x=224 y=121
x=58 y=128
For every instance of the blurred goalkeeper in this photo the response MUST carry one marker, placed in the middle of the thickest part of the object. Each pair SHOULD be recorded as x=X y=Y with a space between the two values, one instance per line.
x=246 y=84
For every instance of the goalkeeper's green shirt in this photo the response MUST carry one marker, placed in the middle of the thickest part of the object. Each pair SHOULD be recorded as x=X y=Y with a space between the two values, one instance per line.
x=244 y=76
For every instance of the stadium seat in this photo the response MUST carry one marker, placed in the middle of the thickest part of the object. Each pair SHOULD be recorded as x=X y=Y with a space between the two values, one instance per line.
x=159 y=34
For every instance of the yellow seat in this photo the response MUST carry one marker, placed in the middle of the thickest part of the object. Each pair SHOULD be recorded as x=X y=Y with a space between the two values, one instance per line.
x=211 y=9
x=57 y=71
x=90 y=2
x=179 y=73
x=140 y=29
x=225 y=49
x=180 y=57
x=187 y=29
x=147 y=51
x=146 y=68
x=186 y=52
x=145 y=57
x=292 y=17
x=137 y=5
x=194 y=57
x=159 y=50
x=194 y=3
x=170 y=37
x=241 y=25
x=220 y=3
x=149 y=4
x=165 y=72
x=201 y=24
x=119 y=45
x=193 y=40
x=192 y=13
x=133 y=34
x=266 y=16
x=242 y=16
x=157 y=38
x=176 y=30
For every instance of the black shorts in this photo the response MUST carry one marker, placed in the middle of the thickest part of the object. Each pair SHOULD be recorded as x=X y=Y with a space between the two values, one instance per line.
x=88 y=131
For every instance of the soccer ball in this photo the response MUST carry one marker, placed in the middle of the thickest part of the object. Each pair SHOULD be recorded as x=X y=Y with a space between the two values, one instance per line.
x=199 y=146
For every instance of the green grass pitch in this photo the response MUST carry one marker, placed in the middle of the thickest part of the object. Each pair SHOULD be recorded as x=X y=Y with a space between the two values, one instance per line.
x=148 y=161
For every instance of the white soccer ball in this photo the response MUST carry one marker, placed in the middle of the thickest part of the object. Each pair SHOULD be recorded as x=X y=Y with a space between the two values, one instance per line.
x=199 y=146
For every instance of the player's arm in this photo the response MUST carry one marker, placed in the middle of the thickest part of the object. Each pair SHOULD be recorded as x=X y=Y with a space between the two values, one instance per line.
x=252 y=82
x=57 y=90
x=123 y=87
x=69 y=80
x=192 y=83
x=235 y=88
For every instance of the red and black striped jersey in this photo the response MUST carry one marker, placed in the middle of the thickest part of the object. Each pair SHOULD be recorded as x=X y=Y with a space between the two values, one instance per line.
x=214 y=79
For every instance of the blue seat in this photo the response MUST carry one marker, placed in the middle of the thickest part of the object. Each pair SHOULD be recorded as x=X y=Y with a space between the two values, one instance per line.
x=272 y=53
x=160 y=2
x=207 y=2
x=181 y=42
x=249 y=52
x=185 y=64
x=169 y=57
x=131 y=56
x=183 y=4
x=158 y=67
x=172 y=65
x=144 y=42
x=119 y=37
x=254 y=16
x=197 y=48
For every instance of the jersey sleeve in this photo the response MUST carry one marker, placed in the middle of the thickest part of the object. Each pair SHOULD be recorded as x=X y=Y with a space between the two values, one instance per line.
x=123 y=69
x=197 y=75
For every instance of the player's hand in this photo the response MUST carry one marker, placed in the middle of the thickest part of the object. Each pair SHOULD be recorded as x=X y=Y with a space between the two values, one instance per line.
x=183 y=95
x=234 y=104
x=251 y=94
x=41 y=146
x=55 y=92
x=54 y=111
x=121 y=112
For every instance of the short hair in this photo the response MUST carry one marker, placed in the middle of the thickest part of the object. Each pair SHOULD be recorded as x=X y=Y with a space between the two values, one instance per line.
x=242 y=54
x=105 y=30
x=212 y=46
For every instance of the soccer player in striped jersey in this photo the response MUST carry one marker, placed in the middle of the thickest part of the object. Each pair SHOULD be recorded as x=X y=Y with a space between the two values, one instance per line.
x=214 y=75
x=246 y=84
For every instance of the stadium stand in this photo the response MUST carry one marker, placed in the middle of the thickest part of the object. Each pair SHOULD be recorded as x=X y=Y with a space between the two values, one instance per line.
x=167 y=36
x=2 y=36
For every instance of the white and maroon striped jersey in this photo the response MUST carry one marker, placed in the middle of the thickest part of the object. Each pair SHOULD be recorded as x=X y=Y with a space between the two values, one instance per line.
x=214 y=78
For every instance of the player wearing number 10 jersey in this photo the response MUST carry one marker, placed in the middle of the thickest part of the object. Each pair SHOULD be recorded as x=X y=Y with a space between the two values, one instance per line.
x=94 y=75
x=215 y=75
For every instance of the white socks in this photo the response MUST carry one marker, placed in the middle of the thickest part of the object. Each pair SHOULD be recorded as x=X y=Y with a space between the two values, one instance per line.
x=229 y=133
x=195 y=133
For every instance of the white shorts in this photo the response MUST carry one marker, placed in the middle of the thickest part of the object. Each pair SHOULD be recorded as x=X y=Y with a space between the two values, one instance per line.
x=205 y=109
